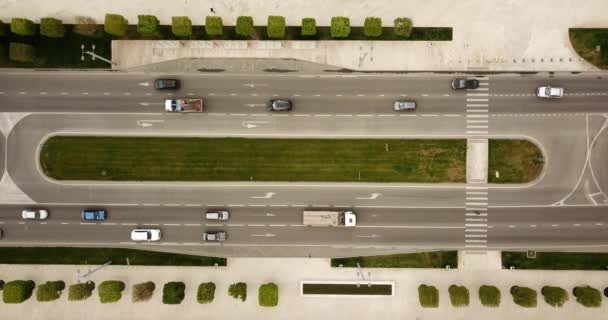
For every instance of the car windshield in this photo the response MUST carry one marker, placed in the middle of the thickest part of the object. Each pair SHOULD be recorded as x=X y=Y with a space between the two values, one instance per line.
x=548 y=91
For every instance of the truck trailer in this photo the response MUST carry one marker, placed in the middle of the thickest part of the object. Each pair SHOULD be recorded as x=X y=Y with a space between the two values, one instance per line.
x=329 y=218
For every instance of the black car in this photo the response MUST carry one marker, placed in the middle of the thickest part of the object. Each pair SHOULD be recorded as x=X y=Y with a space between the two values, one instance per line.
x=164 y=84
x=279 y=105
x=465 y=84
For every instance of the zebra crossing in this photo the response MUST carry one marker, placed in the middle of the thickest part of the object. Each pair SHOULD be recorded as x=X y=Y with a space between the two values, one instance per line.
x=476 y=217
x=477 y=108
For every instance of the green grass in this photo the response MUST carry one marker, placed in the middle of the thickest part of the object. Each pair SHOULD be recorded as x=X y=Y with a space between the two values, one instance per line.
x=241 y=159
x=57 y=255
x=434 y=259
x=489 y=296
x=428 y=296
x=554 y=296
x=459 y=296
x=347 y=289
x=585 y=40
x=556 y=260
x=517 y=161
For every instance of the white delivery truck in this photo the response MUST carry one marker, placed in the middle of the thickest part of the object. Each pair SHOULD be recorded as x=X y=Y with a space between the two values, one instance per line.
x=329 y=218
x=184 y=105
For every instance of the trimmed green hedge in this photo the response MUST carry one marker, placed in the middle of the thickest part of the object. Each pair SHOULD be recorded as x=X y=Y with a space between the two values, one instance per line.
x=52 y=28
x=173 y=292
x=428 y=296
x=214 y=26
x=238 y=291
x=147 y=25
x=459 y=295
x=110 y=291
x=432 y=259
x=554 y=296
x=340 y=27
x=372 y=27
x=403 y=27
x=244 y=26
x=116 y=25
x=489 y=296
x=588 y=296
x=524 y=296
x=81 y=291
x=50 y=291
x=276 y=27
x=181 y=26
x=23 y=27
x=268 y=295
x=206 y=292
x=17 y=291
x=143 y=291
x=21 y=52
x=309 y=27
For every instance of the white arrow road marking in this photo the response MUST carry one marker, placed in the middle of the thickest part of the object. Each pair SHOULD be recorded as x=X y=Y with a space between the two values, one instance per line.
x=370 y=236
x=252 y=124
x=267 y=235
x=145 y=84
x=372 y=197
x=251 y=105
x=267 y=196
x=148 y=123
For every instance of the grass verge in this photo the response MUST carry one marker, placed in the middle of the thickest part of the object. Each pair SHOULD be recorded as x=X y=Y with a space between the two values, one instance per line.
x=434 y=259
x=556 y=260
x=516 y=161
x=584 y=41
x=347 y=289
x=242 y=159
x=58 y=255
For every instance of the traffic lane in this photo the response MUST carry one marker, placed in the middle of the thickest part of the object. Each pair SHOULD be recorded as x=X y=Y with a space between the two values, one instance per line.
x=527 y=104
x=527 y=84
x=550 y=237
x=82 y=103
x=3 y=141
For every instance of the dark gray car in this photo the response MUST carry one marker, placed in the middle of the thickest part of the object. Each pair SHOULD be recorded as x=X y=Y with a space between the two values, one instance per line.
x=215 y=236
x=279 y=105
x=166 y=84
x=465 y=84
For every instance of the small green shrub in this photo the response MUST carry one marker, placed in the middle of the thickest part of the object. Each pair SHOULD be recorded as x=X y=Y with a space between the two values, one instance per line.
x=309 y=27
x=268 y=295
x=173 y=292
x=206 y=292
x=86 y=26
x=110 y=291
x=372 y=27
x=403 y=27
x=588 y=296
x=81 y=291
x=340 y=27
x=276 y=27
x=214 y=26
x=115 y=25
x=181 y=26
x=489 y=296
x=428 y=296
x=52 y=28
x=554 y=296
x=244 y=26
x=17 y=291
x=459 y=296
x=143 y=291
x=147 y=25
x=21 y=52
x=238 y=291
x=23 y=27
x=50 y=291
x=524 y=297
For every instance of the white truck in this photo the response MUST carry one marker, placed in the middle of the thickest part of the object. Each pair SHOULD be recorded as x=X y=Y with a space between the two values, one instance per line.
x=329 y=218
x=184 y=105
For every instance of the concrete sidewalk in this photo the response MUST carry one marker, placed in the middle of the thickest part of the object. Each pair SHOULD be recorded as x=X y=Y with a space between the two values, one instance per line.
x=287 y=273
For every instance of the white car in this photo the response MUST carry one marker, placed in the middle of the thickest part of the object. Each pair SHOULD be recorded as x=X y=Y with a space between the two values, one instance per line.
x=217 y=215
x=34 y=214
x=549 y=92
x=145 y=235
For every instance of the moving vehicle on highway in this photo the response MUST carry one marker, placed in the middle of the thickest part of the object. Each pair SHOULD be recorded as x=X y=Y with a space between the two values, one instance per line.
x=279 y=105
x=93 y=214
x=215 y=236
x=217 y=215
x=166 y=84
x=184 y=105
x=550 y=92
x=145 y=235
x=404 y=106
x=34 y=214
x=329 y=218
x=458 y=84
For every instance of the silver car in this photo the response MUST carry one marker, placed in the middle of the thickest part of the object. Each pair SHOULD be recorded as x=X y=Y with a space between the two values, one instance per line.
x=549 y=92
x=215 y=236
x=404 y=106
x=217 y=215
x=34 y=214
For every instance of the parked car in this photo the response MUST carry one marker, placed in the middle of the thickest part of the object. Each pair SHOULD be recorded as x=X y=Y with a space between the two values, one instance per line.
x=279 y=105
x=465 y=84
x=145 y=235
x=216 y=236
x=166 y=84
x=217 y=215
x=404 y=106
x=34 y=214
x=93 y=214
x=549 y=92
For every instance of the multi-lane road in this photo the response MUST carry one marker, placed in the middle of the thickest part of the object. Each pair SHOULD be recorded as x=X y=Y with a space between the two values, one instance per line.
x=563 y=209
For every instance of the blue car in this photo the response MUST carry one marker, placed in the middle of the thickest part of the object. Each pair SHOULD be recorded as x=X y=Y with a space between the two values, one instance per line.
x=93 y=214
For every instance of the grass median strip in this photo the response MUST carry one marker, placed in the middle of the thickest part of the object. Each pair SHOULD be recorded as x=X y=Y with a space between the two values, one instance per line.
x=243 y=159
x=435 y=259
x=513 y=161
x=556 y=260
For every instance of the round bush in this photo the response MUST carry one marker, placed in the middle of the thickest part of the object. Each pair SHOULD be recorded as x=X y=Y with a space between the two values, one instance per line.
x=147 y=25
x=276 y=27
x=244 y=26
x=554 y=296
x=52 y=28
x=524 y=297
x=115 y=25
x=309 y=27
x=173 y=292
x=489 y=296
x=181 y=26
x=403 y=27
x=50 y=291
x=21 y=52
x=23 y=27
x=110 y=291
x=372 y=27
x=588 y=296
x=238 y=291
x=459 y=296
x=143 y=291
x=268 y=295
x=214 y=26
x=17 y=291
x=428 y=296
x=340 y=27
x=81 y=291
x=206 y=292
